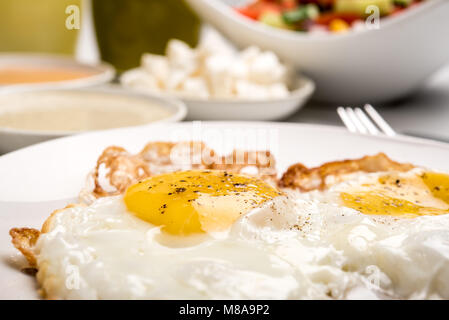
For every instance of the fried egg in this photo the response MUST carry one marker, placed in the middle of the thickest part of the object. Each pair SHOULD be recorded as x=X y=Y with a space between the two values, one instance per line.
x=170 y=236
x=412 y=194
x=214 y=235
x=391 y=227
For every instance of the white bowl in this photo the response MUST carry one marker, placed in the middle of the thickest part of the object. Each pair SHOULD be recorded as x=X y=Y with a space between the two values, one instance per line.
x=355 y=67
x=99 y=74
x=251 y=110
x=12 y=139
x=246 y=109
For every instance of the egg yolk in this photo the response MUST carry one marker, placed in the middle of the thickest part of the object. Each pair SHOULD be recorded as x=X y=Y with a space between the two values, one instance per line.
x=189 y=202
x=412 y=196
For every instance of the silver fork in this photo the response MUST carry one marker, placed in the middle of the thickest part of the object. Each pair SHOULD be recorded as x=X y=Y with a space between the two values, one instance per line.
x=365 y=122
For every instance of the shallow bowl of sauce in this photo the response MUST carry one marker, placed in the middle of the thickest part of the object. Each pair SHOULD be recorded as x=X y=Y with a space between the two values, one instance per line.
x=38 y=71
x=29 y=117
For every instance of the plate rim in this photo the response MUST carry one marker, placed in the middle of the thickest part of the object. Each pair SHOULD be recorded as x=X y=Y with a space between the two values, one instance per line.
x=398 y=138
x=9 y=159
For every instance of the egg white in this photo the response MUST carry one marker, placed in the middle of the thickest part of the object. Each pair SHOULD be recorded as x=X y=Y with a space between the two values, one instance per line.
x=299 y=246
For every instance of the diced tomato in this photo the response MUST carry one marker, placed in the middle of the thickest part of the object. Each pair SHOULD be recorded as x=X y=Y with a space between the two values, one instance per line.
x=326 y=18
x=247 y=13
x=255 y=9
x=397 y=10
x=289 y=4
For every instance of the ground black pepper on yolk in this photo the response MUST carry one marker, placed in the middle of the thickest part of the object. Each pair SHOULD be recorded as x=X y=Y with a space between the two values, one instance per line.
x=395 y=195
x=201 y=201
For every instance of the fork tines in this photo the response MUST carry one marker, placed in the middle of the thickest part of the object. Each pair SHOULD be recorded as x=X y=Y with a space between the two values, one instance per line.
x=365 y=122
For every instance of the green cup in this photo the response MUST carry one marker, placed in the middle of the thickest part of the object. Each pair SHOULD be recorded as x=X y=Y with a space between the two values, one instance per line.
x=127 y=29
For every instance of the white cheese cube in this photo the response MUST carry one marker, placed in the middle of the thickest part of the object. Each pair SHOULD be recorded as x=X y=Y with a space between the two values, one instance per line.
x=175 y=80
x=249 y=54
x=181 y=56
x=141 y=80
x=212 y=43
x=266 y=69
x=218 y=76
x=239 y=69
x=195 y=87
x=249 y=90
x=157 y=66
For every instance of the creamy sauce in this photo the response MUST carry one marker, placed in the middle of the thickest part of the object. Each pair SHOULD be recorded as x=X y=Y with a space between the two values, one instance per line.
x=35 y=75
x=77 y=111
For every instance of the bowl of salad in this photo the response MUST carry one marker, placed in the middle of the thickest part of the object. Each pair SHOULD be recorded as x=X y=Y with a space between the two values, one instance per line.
x=320 y=16
x=356 y=51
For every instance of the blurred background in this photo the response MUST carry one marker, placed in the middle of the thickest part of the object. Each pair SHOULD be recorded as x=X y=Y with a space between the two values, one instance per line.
x=281 y=60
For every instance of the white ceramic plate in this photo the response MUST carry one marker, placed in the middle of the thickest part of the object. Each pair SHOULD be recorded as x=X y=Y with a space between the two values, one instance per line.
x=44 y=177
x=355 y=67
x=100 y=74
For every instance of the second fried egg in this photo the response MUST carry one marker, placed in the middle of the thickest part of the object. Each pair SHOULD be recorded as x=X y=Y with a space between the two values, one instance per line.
x=399 y=194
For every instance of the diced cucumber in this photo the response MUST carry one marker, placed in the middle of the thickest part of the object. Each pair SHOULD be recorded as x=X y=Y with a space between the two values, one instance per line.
x=295 y=16
x=358 y=7
x=310 y=11
x=273 y=19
